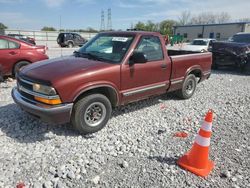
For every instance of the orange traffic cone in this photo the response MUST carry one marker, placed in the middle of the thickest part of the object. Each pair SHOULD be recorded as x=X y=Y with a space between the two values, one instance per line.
x=197 y=159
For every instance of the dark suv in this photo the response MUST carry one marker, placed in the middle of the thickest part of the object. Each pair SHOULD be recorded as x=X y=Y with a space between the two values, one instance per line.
x=70 y=40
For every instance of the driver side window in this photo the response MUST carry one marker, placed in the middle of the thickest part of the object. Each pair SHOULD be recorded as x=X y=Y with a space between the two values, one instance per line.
x=151 y=47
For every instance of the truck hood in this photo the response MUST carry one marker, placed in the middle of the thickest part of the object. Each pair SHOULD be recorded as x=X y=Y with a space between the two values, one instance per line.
x=232 y=48
x=54 y=69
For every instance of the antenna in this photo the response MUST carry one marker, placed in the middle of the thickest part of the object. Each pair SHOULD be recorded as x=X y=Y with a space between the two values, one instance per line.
x=109 y=24
x=102 y=21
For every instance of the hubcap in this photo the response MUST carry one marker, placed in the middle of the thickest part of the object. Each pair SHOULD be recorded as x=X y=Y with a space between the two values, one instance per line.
x=190 y=87
x=95 y=114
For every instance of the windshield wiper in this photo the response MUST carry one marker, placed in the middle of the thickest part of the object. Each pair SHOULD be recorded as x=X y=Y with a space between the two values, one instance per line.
x=89 y=56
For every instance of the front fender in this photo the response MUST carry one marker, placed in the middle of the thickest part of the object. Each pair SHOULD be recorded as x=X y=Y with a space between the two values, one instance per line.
x=94 y=85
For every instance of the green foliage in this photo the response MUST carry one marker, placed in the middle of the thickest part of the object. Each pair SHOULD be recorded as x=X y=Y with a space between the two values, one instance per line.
x=165 y=27
x=45 y=28
x=2 y=26
x=140 y=26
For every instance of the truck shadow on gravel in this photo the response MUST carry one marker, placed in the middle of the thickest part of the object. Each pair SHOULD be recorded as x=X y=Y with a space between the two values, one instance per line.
x=135 y=106
x=231 y=71
x=18 y=125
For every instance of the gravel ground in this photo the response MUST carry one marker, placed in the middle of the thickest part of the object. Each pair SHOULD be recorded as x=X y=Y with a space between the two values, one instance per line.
x=137 y=147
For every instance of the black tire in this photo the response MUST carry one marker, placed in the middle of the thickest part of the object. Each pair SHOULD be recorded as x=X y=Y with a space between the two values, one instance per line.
x=84 y=110
x=188 y=87
x=70 y=45
x=18 y=66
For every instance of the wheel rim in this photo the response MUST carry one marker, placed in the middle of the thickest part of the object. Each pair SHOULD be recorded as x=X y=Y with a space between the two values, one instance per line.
x=190 y=87
x=95 y=114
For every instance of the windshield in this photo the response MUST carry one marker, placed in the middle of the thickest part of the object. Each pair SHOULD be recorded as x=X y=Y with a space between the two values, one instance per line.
x=242 y=38
x=199 y=42
x=107 y=47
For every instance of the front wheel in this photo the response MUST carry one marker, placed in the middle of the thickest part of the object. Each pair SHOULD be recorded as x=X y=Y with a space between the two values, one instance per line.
x=188 y=87
x=91 y=113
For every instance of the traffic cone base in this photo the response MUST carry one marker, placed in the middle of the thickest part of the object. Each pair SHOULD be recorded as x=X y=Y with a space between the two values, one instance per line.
x=184 y=163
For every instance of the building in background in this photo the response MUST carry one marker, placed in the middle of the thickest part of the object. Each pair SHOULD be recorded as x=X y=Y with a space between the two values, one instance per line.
x=216 y=31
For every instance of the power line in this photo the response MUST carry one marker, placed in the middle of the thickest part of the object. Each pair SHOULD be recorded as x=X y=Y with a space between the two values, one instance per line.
x=102 y=21
x=109 y=24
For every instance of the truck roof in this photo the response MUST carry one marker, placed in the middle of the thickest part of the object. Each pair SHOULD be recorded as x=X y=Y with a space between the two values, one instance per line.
x=132 y=32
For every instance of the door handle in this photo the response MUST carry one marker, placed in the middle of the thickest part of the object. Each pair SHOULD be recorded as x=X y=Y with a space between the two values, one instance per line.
x=163 y=66
x=12 y=53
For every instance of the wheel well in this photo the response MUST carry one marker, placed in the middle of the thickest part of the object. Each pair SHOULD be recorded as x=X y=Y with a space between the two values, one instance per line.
x=13 y=68
x=107 y=91
x=70 y=41
x=197 y=73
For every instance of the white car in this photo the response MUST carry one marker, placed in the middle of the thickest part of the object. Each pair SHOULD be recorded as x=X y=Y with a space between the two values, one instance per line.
x=197 y=45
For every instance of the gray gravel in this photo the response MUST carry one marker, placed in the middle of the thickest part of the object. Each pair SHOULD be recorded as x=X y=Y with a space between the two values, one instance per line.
x=137 y=147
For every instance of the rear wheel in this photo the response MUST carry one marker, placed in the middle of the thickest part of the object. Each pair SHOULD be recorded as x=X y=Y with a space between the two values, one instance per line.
x=91 y=113
x=70 y=45
x=188 y=87
x=18 y=66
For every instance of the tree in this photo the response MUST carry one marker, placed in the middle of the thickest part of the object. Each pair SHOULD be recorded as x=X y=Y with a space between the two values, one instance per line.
x=210 y=18
x=140 y=26
x=150 y=26
x=204 y=18
x=223 y=17
x=184 y=18
x=91 y=30
x=166 y=27
x=45 y=28
x=2 y=26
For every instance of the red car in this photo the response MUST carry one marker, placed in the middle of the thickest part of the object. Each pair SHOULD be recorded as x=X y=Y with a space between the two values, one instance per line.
x=15 y=53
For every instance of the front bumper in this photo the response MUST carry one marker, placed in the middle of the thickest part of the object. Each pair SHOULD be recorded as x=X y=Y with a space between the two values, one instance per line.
x=48 y=113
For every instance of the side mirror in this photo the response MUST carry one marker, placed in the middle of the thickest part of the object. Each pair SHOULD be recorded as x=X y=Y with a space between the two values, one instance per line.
x=137 y=57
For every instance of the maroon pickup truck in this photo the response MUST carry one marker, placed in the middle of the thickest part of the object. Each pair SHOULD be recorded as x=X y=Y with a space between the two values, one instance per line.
x=112 y=69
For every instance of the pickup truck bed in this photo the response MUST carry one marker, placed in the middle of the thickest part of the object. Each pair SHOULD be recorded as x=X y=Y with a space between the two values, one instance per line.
x=112 y=69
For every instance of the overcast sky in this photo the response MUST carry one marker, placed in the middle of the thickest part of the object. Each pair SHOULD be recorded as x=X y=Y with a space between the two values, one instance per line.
x=76 y=14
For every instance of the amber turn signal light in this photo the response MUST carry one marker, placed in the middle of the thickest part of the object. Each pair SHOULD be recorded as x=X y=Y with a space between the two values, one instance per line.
x=48 y=101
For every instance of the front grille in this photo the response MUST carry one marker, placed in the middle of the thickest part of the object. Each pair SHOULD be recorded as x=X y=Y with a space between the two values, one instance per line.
x=24 y=84
x=26 y=95
x=21 y=83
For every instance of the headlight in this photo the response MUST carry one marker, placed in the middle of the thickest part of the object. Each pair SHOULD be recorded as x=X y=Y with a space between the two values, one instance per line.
x=47 y=90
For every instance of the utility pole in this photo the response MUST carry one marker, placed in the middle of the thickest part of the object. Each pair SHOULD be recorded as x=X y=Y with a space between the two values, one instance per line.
x=109 y=24
x=102 y=28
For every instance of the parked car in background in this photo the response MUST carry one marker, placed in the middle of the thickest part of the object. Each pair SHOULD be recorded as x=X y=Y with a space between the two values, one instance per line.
x=197 y=45
x=113 y=69
x=24 y=38
x=15 y=53
x=70 y=40
x=234 y=52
